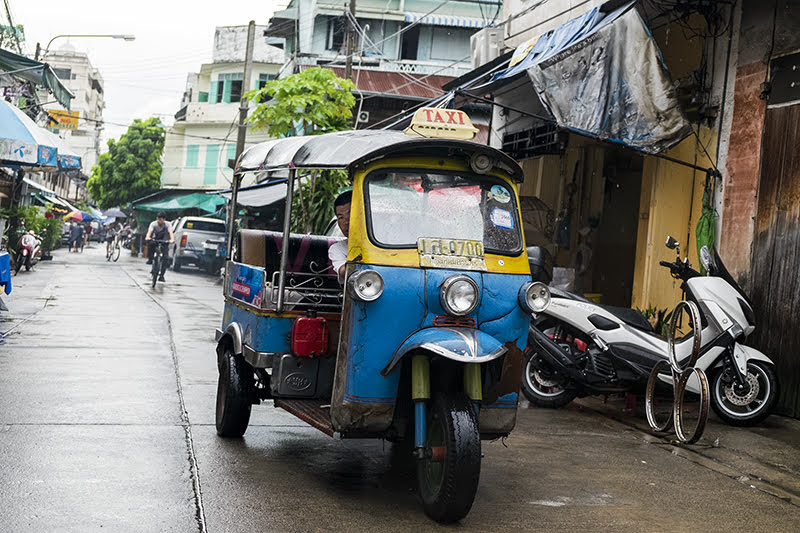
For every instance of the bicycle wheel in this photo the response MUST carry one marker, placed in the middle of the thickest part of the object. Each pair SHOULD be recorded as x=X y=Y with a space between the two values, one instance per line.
x=156 y=268
x=115 y=251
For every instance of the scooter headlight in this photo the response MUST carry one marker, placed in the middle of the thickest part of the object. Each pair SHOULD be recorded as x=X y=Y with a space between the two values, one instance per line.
x=534 y=297
x=459 y=295
x=365 y=285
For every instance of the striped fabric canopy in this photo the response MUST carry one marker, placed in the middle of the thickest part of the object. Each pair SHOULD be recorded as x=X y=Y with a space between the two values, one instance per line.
x=447 y=20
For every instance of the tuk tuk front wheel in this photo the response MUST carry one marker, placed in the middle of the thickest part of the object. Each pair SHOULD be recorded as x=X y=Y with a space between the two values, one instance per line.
x=233 y=403
x=449 y=471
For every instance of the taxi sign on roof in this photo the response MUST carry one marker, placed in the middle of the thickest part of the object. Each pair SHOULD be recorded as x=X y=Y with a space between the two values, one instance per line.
x=442 y=124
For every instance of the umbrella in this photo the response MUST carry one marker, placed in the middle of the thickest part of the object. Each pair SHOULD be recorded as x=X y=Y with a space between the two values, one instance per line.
x=114 y=212
x=78 y=216
x=22 y=141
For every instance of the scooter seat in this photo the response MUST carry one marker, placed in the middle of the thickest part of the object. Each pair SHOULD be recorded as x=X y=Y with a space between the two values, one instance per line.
x=632 y=317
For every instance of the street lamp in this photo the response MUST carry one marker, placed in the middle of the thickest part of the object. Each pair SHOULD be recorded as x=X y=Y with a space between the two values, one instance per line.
x=126 y=37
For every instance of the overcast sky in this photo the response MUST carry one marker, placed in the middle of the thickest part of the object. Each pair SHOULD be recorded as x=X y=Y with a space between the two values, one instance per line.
x=145 y=77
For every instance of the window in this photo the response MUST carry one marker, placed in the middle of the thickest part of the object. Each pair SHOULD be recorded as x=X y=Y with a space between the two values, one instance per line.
x=210 y=173
x=202 y=96
x=192 y=152
x=63 y=73
x=264 y=78
x=404 y=206
x=450 y=44
x=336 y=33
x=230 y=153
x=236 y=90
x=227 y=88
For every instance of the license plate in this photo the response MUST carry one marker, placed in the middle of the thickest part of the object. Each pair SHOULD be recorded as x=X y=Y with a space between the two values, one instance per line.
x=451 y=253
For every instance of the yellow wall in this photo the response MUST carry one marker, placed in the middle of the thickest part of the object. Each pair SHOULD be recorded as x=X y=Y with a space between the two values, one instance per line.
x=670 y=204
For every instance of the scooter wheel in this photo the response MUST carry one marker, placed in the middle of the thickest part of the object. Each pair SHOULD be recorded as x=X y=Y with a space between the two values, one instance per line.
x=745 y=408
x=543 y=386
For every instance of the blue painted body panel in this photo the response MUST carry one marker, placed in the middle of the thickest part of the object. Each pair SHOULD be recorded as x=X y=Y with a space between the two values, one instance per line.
x=409 y=303
x=266 y=334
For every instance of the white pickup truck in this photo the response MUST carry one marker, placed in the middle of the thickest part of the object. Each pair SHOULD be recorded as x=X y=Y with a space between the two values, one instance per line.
x=198 y=241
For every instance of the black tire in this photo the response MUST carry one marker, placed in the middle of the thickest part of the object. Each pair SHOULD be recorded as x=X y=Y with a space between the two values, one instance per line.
x=542 y=385
x=28 y=264
x=233 y=401
x=156 y=268
x=731 y=407
x=448 y=487
x=115 y=251
x=176 y=264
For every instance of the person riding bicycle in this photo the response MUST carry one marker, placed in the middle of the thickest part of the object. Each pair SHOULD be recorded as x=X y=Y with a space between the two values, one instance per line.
x=159 y=230
x=112 y=231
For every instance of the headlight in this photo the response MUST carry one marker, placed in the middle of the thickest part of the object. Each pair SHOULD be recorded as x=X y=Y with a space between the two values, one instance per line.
x=707 y=261
x=459 y=295
x=365 y=285
x=534 y=297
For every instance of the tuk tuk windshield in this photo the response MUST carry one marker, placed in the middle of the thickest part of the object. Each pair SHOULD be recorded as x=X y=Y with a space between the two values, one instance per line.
x=404 y=206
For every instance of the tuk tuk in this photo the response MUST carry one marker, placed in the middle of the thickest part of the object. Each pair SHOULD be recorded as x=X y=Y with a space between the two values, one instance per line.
x=423 y=343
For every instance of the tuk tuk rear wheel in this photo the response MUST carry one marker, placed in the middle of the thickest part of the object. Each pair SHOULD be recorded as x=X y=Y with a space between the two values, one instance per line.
x=233 y=403
x=449 y=472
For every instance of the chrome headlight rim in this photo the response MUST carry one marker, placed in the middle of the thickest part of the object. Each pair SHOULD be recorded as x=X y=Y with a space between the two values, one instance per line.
x=448 y=284
x=360 y=280
x=534 y=297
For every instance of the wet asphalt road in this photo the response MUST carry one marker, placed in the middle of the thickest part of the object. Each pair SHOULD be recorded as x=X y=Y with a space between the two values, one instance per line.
x=107 y=390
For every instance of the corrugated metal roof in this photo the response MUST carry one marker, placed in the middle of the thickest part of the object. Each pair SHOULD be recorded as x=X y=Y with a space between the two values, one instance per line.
x=396 y=83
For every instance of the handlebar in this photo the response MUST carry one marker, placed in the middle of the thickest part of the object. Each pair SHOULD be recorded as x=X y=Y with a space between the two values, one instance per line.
x=680 y=270
x=665 y=264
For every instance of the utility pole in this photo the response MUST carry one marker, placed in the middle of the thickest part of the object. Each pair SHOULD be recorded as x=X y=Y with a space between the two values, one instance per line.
x=248 y=68
x=351 y=42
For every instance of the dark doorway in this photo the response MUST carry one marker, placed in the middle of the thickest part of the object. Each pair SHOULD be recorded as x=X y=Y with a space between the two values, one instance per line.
x=410 y=43
x=614 y=246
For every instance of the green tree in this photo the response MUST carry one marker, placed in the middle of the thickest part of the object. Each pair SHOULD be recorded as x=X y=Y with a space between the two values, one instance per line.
x=132 y=166
x=311 y=102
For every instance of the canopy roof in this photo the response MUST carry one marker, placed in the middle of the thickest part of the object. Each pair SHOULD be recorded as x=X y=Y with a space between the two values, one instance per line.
x=346 y=149
x=205 y=202
x=36 y=72
x=260 y=195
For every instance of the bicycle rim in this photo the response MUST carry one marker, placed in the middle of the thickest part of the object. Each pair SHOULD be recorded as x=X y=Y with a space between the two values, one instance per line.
x=115 y=251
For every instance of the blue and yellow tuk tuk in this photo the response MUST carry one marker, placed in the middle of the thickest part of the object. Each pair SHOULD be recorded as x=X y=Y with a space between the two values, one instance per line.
x=424 y=340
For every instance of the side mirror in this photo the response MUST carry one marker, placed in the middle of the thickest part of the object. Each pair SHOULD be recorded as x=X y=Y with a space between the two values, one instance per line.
x=672 y=244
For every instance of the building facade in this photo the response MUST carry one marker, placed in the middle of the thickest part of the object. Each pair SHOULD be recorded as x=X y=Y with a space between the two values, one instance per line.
x=75 y=70
x=403 y=50
x=605 y=210
x=202 y=140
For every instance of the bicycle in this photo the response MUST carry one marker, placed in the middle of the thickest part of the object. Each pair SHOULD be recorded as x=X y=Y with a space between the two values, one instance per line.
x=113 y=250
x=158 y=258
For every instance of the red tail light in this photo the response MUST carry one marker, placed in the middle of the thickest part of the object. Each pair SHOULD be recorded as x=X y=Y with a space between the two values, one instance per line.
x=183 y=240
x=309 y=336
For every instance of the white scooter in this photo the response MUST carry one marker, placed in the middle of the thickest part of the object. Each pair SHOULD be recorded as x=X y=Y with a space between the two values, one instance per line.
x=578 y=348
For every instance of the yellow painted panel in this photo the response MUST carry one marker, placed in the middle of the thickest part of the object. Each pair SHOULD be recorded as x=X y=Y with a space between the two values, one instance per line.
x=361 y=249
x=671 y=204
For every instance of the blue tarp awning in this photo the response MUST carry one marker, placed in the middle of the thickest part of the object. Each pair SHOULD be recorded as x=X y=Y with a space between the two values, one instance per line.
x=601 y=74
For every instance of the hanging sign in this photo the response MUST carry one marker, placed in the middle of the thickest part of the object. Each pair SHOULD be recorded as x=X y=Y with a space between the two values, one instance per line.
x=64 y=120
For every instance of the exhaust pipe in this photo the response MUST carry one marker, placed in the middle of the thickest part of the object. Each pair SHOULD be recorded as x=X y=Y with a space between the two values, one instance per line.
x=553 y=353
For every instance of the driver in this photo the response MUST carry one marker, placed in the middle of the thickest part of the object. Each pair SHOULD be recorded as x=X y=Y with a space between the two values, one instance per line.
x=337 y=253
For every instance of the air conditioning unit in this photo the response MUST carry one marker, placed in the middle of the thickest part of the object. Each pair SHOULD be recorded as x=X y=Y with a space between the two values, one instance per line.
x=485 y=45
x=363 y=116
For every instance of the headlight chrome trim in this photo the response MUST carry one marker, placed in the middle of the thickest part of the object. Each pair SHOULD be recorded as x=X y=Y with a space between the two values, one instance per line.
x=448 y=284
x=534 y=297
x=365 y=285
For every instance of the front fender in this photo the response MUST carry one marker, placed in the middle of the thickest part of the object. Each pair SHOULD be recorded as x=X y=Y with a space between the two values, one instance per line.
x=465 y=345
x=234 y=332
